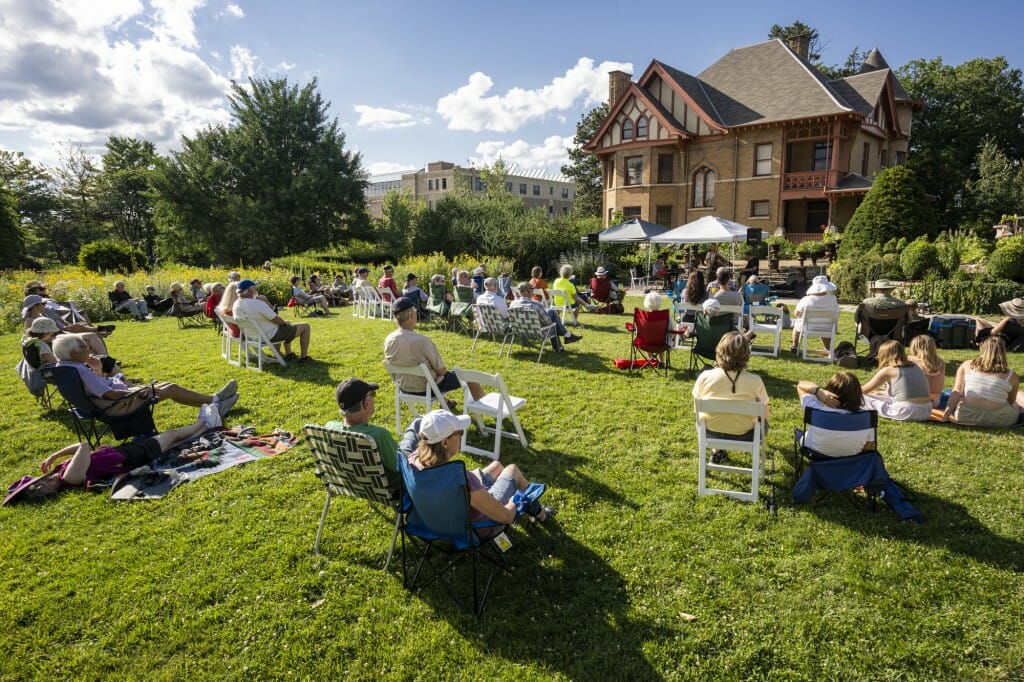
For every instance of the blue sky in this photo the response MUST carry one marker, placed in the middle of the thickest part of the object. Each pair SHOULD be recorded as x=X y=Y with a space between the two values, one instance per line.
x=413 y=82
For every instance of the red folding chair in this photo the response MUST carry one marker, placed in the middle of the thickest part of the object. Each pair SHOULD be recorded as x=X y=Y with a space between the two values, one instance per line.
x=649 y=346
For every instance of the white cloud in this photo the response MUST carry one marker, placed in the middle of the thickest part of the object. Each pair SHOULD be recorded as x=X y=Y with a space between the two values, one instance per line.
x=285 y=66
x=386 y=167
x=549 y=155
x=243 y=63
x=383 y=119
x=68 y=72
x=233 y=10
x=472 y=108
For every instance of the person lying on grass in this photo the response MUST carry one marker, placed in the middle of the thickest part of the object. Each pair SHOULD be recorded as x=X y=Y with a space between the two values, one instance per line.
x=491 y=489
x=118 y=396
x=78 y=465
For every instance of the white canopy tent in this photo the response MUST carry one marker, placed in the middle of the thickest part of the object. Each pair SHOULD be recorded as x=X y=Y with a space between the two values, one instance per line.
x=705 y=230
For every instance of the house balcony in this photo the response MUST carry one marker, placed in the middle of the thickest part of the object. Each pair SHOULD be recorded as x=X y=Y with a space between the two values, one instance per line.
x=811 y=180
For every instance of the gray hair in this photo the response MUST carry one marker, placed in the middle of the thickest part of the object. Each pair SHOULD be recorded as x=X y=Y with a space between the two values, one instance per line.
x=565 y=271
x=437 y=279
x=490 y=283
x=404 y=315
x=525 y=288
x=66 y=345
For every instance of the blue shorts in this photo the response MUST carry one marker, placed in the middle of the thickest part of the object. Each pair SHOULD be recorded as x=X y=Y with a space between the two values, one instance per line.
x=502 y=488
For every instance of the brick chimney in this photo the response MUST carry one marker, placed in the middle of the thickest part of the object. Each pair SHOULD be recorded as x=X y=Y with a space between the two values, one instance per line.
x=618 y=82
x=800 y=44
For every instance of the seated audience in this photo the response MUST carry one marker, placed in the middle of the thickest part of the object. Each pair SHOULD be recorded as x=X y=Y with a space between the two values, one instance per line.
x=841 y=394
x=906 y=396
x=491 y=489
x=730 y=380
x=563 y=283
x=250 y=308
x=213 y=299
x=226 y=308
x=65 y=314
x=462 y=279
x=537 y=281
x=315 y=288
x=407 y=348
x=182 y=306
x=198 y=292
x=157 y=305
x=121 y=300
x=341 y=290
x=544 y=316
x=412 y=291
x=819 y=298
x=492 y=298
x=505 y=285
x=1010 y=328
x=722 y=282
x=359 y=281
x=234 y=276
x=694 y=294
x=78 y=465
x=985 y=392
x=479 y=274
x=922 y=353
x=302 y=298
x=357 y=402
x=118 y=396
x=712 y=308
x=387 y=281
x=33 y=308
x=37 y=343
x=601 y=287
x=652 y=302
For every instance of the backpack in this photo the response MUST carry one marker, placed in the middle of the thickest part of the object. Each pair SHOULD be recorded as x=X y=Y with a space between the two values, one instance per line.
x=845 y=355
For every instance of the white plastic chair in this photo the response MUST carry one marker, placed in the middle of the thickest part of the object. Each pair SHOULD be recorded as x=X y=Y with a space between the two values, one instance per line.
x=706 y=443
x=254 y=341
x=737 y=313
x=497 y=405
x=765 y=328
x=387 y=299
x=636 y=281
x=359 y=303
x=415 y=401
x=545 y=300
x=563 y=306
x=228 y=341
x=819 y=324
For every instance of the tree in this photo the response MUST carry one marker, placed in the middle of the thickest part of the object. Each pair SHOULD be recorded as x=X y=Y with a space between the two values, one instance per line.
x=124 y=191
x=12 y=241
x=796 y=29
x=278 y=179
x=895 y=207
x=964 y=105
x=77 y=219
x=395 y=230
x=850 y=67
x=999 y=189
x=584 y=168
x=35 y=198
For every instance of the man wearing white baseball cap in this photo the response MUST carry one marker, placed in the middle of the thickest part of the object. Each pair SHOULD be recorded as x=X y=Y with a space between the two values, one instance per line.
x=491 y=489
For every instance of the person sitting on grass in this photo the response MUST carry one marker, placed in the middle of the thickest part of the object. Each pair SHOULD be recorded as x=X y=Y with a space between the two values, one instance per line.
x=986 y=391
x=906 y=397
x=78 y=465
x=118 y=396
x=357 y=402
x=249 y=307
x=1010 y=328
x=302 y=298
x=491 y=489
x=841 y=394
x=730 y=380
x=923 y=354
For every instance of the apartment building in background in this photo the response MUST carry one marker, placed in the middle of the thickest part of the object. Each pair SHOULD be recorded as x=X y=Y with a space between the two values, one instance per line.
x=760 y=137
x=537 y=189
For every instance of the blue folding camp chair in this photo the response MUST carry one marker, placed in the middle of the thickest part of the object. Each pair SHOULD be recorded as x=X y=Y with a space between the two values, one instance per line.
x=756 y=294
x=90 y=422
x=863 y=470
x=437 y=520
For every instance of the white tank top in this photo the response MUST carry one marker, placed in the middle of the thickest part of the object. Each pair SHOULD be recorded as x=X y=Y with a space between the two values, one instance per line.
x=986 y=386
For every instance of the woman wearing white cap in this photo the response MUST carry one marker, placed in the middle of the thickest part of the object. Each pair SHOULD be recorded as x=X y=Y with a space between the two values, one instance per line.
x=491 y=489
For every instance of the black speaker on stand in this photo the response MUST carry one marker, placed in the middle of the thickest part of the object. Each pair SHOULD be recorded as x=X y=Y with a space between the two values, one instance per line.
x=753 y=236
x=592 y=240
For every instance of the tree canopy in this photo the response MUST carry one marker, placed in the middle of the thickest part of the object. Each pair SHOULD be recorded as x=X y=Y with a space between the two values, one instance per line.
x=584 y=168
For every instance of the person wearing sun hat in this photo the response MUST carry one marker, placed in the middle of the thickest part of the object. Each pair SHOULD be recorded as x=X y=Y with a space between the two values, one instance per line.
x=182 y=306
x=1010 y=328
x=492 y=489
x=819 y=297
x=357 y=402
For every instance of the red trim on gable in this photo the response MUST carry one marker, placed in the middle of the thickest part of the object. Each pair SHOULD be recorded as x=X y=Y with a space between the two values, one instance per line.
x=654 y=109
x=656 y=68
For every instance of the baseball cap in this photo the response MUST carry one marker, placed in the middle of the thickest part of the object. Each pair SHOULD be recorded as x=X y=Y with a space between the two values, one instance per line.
x=402 y=304
x=438 y=425
x=352 y=391
x=246 y=284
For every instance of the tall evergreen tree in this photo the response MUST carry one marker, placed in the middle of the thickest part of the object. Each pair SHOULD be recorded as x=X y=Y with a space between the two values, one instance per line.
x=895 y=207
x=584 y=168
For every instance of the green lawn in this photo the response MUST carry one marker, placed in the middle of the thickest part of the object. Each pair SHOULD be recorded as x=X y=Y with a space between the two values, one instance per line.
x=636 y=579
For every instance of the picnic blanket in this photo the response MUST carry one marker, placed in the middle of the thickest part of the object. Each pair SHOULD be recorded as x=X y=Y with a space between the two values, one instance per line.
x=208 y=453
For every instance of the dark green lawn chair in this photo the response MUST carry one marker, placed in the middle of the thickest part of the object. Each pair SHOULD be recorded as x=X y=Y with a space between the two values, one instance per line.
x=709 y=331
x=462 y=310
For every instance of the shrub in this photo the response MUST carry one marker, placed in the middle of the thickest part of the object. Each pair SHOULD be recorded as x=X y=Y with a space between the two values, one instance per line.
x=851 y=275
x=810 y=249
x=920 y=258
x=896 y=206
x=949 y=254
x=110 y=256
x=1007 y=262
x=966 y=295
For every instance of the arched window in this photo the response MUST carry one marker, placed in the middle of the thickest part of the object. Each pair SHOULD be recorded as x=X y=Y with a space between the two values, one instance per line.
x=704 y=188
x=627 y=129
x=641 y=127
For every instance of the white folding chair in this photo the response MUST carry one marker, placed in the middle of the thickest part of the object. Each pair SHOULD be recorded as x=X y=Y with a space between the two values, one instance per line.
x=526 y=326
x=636 y=281
x=737 y=315
x=545 y=300
x=497 y=405
x=706 y=443
x=372 y=301
x=819 y=324
x=227 y=340
x=765 y=328
x=359 y=303
x=415 y=401
x=563 y=306
x=489 y=321
x=254 y=341
x=387 y=299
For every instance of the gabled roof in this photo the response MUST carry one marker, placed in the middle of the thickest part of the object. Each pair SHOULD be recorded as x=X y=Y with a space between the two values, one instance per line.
x=688 y=85
x=862 y=91
x=652 y=103
x=768 y=82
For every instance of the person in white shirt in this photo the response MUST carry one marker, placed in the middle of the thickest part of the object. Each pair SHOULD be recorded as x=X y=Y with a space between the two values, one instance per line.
x=819 y=296
x=251 y=309
x=491 y=297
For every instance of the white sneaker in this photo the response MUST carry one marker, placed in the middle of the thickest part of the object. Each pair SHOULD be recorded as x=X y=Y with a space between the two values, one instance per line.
x=211 y=415
x=224 y=406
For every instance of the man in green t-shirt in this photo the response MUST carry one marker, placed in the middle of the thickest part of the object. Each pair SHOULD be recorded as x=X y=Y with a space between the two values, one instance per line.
x=356 y=401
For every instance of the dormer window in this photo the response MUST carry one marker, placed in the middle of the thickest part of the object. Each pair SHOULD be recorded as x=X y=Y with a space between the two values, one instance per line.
x=641 y=127
x=627 y=129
